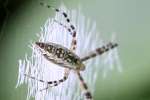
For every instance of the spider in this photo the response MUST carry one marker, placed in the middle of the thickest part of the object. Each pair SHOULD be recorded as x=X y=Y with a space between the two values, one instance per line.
x=66 y=57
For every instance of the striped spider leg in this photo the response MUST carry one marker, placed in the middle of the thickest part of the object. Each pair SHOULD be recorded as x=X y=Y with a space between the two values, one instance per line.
x=99 y=51
x=71 y=27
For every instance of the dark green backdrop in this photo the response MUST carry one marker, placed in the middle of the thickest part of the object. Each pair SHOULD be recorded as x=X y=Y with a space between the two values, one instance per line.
x=130 y=19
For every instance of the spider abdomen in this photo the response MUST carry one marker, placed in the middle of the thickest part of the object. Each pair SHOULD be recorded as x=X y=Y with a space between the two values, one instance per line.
x=61 y=55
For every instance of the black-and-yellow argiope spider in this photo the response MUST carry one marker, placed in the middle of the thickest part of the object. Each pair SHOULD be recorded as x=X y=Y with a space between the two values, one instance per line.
x=67 y=58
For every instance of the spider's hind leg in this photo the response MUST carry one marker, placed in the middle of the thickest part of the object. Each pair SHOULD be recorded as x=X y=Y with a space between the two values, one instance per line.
x=52 y=83
x=84 y=87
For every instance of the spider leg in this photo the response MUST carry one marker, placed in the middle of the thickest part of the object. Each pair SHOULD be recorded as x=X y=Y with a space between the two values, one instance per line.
x=64 y=26
x=62 y=12
x=52 y=83
x=74 y=41
x=72 y=27
x=99 y=51
x=84 y=87
x=57 y=10
x=57 y=82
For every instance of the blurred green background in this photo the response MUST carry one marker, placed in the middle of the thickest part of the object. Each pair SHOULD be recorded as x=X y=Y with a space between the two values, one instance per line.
x=130 y=19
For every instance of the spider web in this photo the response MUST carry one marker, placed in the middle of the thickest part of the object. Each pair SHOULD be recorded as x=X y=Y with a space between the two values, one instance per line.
x=37 y=66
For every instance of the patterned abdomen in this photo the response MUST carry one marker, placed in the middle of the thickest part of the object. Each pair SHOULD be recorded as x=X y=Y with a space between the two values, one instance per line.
x=60 y=55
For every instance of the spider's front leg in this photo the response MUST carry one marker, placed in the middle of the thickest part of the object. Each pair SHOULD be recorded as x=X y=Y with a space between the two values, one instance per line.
x=72 y=31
